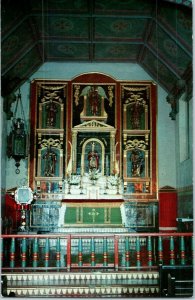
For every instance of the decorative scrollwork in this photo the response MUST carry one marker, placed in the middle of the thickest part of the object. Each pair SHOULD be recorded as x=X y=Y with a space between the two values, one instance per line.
x=51 y=96
x=135 y=98
x=134 y=89
x=51 y=143
x=53 y=88
x=111 y=95
x=76 y=94
x=136 y=144
x=93 y=124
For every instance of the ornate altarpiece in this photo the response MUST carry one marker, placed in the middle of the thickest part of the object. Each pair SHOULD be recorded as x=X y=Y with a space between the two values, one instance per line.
x=93 y=149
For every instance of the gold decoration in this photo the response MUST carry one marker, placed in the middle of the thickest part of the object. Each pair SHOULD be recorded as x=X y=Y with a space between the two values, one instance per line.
x=51 y=96
x=52 y=88
x=134 y=89
x=92 y=124
x=76 y=94
x=51 y=143
x=135 y=98
x=110 y=93
x=93 y=213
x=69 y=165
x=135 y=144
x=107 y=215
x=82 y=141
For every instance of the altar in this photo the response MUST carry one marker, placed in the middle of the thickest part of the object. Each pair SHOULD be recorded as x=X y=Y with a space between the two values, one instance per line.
x=93 y=157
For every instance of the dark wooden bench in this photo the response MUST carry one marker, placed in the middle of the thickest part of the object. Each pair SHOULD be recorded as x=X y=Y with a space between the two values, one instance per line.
x=176 y=281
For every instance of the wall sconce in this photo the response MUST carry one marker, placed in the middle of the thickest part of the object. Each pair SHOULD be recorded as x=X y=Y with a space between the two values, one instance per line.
x=17 y=140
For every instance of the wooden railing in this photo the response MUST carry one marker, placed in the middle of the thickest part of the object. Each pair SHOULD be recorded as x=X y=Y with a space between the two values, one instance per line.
x=61 y=252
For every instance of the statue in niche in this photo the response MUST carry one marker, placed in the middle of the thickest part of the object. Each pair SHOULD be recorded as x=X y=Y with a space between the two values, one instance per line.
x=51 y=109
x=50 y=159
x=137 y=163
x=94 y=100
x=136 y=110
x=93 y=159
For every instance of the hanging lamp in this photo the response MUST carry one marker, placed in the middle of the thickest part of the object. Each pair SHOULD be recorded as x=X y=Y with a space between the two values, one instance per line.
x=17 y=140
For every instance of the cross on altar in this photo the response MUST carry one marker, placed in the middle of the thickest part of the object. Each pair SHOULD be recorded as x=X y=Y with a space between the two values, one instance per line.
x=93 y=213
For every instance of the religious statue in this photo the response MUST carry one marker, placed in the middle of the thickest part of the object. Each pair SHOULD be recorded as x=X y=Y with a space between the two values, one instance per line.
x=136 y=110
x=94 y=101
x=51 y=109
x=50 y=159
x=137 y=163
x=93 y=159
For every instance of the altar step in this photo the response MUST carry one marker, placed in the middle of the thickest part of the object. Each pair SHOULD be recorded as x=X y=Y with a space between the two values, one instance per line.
x=85 y=284
x=106 y=230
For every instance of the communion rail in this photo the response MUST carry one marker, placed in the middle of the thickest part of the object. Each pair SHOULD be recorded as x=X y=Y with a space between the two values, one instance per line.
x=118 y=252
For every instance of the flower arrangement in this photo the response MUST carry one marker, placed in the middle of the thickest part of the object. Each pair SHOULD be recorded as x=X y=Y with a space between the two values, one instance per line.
x=94 y=174
x=113 y=179
x=74 y=179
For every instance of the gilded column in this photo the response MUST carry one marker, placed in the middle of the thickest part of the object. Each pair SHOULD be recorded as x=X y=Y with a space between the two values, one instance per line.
x=112 y=151
x=62 y=116
x=146 y=163
x=74 y=151
x=39 y=163
x=40 y=116
x=124 y=117
x=125 y=163
x=146 y=116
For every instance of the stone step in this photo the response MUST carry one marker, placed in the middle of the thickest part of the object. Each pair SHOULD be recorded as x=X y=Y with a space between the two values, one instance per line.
x=108 y=230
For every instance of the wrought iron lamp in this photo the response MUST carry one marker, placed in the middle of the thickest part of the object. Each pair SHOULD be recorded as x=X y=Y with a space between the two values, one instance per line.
x=17 y=140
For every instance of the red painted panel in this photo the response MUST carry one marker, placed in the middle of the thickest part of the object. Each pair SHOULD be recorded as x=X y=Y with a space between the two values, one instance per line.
x=11 y=212
x=168 y=211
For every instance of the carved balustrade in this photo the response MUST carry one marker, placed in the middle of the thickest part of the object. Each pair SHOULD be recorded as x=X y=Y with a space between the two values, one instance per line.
x=116 y=252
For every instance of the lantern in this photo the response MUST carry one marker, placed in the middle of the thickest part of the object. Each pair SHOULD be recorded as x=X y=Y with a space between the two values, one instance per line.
x=23 y=197
x=17 y=140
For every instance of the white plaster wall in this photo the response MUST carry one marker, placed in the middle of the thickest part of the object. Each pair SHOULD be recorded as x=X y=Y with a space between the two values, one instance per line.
x=166 y=143
x=119 y=71
x=184 y=168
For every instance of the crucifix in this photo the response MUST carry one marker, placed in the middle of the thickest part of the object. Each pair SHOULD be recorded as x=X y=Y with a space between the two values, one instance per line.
x=93 y=213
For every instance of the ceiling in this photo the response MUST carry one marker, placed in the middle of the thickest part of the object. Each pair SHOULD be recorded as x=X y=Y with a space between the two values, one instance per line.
x=156 y=34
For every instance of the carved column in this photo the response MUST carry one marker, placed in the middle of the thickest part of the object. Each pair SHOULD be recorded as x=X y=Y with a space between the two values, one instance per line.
x=74 y=151
x=40 y=116
x=62 y=116
x=125 y=116
x=102 y=105
x=125 y=163
x=146 y=163
x=112 y=151
x=39 y=163
x=146 y=116
x=83 y=113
